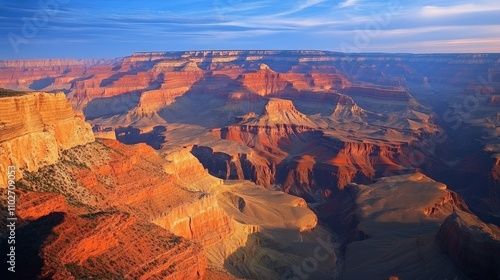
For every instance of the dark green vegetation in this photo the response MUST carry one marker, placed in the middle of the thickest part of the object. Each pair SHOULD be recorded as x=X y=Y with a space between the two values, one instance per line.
x=9 y=93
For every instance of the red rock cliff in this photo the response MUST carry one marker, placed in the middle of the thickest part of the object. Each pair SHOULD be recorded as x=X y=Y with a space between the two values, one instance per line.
x=35 y=127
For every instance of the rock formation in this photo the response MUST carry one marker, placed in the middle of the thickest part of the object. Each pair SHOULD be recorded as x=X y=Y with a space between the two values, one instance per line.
x=473 y=246
x=397 y=219
x=35 y=128
x=99 y=244
x=87 y=206
x=306 y=123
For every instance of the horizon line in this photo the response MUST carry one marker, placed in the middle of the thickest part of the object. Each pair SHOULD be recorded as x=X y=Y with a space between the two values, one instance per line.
x=254 y=50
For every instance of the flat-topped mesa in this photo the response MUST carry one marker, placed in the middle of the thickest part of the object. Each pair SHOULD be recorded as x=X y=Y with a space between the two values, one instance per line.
x=305 y=56
x=56 y=62
x=412 y=199
x=34 y=127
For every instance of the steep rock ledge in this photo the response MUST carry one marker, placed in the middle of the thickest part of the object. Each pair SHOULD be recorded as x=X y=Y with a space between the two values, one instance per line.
x=72 y=243
x=35 y=127
x=202 y=220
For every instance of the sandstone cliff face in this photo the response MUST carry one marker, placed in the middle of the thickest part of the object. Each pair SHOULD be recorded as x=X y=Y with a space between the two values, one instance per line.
x=202 y=220
x=34 y=129
x=236 y=167
x=473 y=246
x=264 y=81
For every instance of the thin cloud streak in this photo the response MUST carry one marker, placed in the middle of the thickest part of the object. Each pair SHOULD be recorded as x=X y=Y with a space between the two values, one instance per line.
x=348 y=3
x=436 y=11
x=261 y=24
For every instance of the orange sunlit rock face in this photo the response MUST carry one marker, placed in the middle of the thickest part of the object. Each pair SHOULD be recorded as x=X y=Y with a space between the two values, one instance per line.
x=35 y=128
x=105 y=243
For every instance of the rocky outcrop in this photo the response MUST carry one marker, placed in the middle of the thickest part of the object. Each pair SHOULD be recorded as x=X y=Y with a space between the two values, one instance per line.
x=473 y=246
x=72 y=243
x=280 y=112
x=234 y=224
x=202 y=220
x=35 y=205
x=264 y=81
x=396 y=218
x=236 y=166
x=35 y=127
x=301 y=160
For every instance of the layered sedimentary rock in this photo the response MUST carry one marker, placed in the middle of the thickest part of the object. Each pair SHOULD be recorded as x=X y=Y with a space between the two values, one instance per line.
x=227 y=90
x=304 y=122
x=293 y=151
x=73 y=245
x=35 y=128
x=116 y=192
x=45 y=74
x=258 y=217
x=473 y=246
x=202 y=220
x=132 y=189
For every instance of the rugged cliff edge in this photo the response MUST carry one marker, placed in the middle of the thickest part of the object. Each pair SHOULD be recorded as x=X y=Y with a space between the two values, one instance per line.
x=393 y=224
x=473 y=246
x=35 y=128
x=59 y=241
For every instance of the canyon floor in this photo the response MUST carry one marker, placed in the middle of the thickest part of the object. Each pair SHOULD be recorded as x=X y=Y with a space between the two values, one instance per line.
x=254 y=165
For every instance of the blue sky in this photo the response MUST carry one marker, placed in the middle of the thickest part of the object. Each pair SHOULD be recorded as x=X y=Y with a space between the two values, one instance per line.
x=109 y=28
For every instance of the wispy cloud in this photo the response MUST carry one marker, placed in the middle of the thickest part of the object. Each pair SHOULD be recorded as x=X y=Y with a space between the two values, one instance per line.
x=309 y=3
x=102 y=27
x=302 y=6
x=437 y=11
x=348 y=3
x=443 y=46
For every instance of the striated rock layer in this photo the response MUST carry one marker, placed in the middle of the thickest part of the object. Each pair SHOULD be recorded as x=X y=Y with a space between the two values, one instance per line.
x=99 y=244
x=185 y=217
x=35 y=127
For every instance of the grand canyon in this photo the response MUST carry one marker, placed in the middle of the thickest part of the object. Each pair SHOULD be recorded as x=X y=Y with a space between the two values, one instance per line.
x=253 y=165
